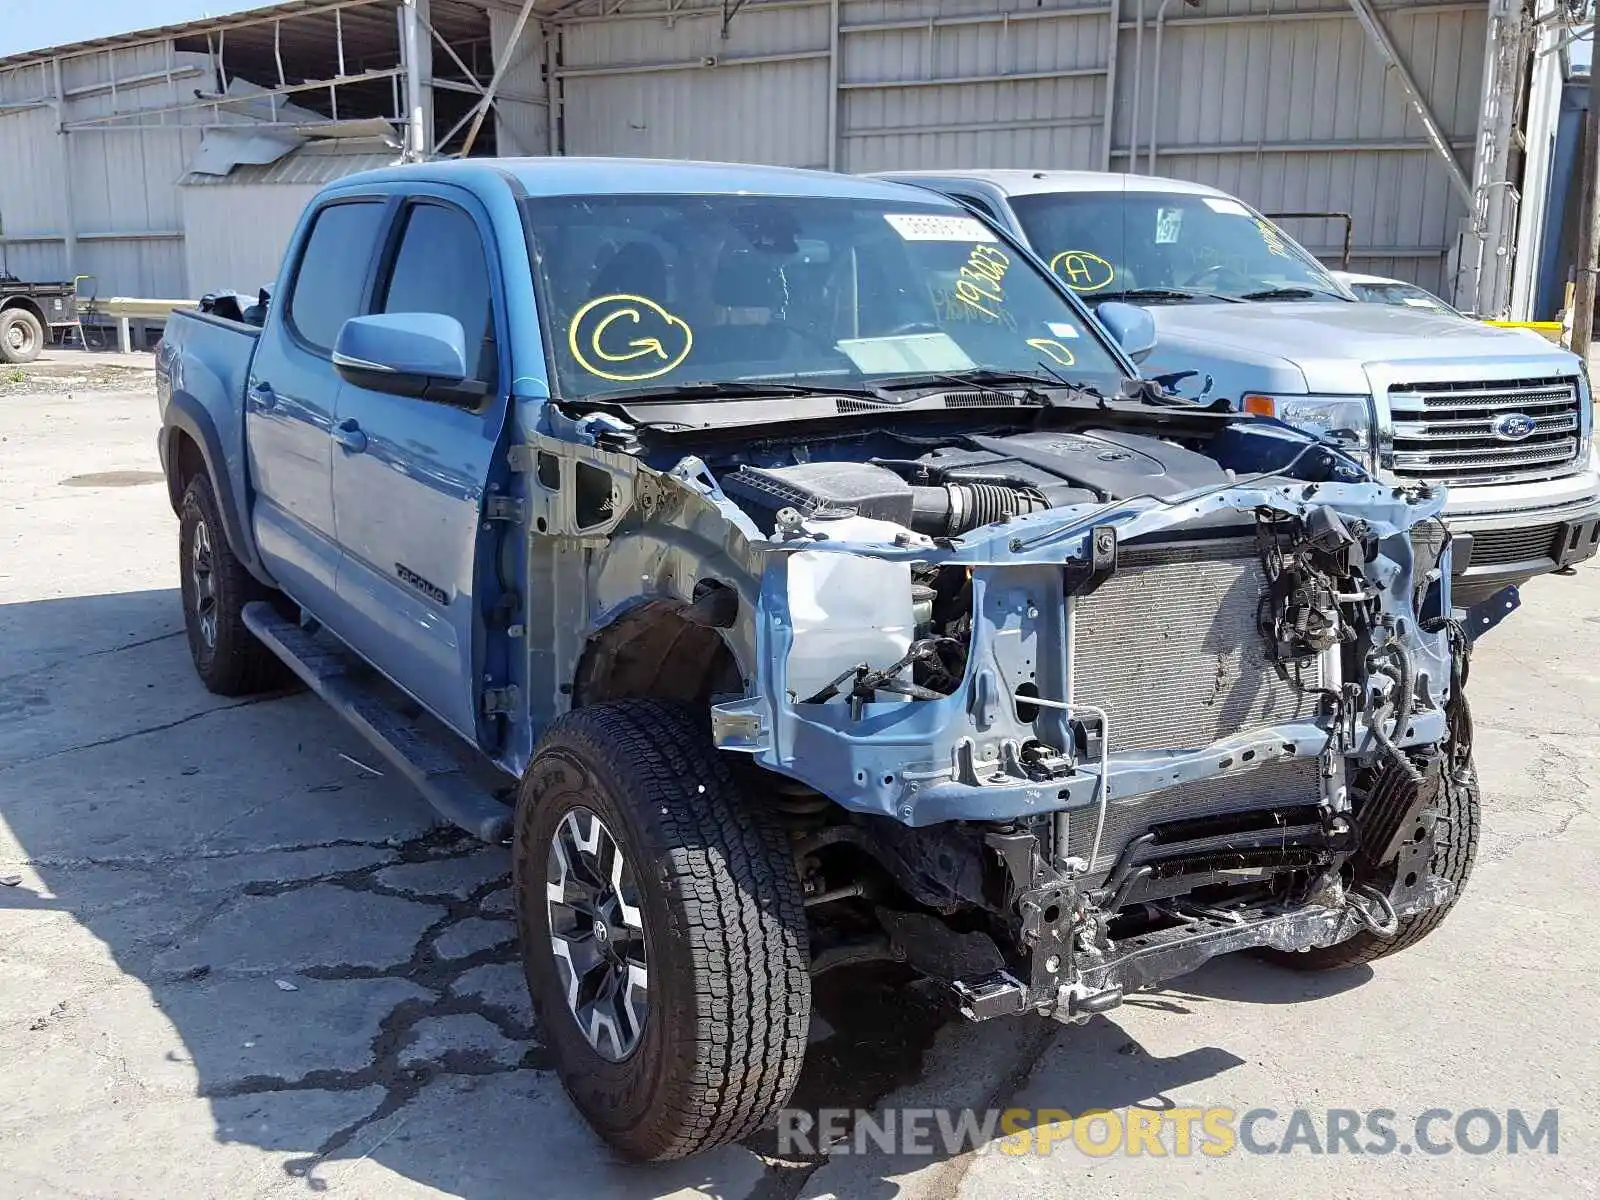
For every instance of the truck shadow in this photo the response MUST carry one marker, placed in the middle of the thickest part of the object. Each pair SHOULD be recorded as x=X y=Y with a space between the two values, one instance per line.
x=338 y=980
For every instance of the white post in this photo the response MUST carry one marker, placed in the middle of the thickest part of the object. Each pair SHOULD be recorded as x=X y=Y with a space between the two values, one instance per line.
x=68 y=208
x=417 y=53
x=124 y=335
x=833 y=85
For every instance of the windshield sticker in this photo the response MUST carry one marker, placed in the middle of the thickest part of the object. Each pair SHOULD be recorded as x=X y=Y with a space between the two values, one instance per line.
x=1082 y=271
x=1055 y=351
x=1273 y=239
x=1168 y=222
x=934 y=227
x=980 y=280
x=1416 y=302
x=626 y=338
x=1228 y=208
x=1061 y=329
x=914 y=352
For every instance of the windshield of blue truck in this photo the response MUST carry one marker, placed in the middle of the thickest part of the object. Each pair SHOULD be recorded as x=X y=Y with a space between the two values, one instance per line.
x=663 y=291
x=1168 y=247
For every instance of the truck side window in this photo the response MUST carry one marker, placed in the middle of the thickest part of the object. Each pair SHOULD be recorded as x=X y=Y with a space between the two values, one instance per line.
x=440 y=268
x=333 y=271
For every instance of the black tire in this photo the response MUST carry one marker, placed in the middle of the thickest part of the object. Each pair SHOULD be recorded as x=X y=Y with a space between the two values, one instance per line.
x=21 y=336
x=1454 y=853
x=227 y=656
x=729 y=996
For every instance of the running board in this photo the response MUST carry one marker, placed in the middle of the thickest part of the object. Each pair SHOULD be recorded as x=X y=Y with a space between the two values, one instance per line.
x=432 y=769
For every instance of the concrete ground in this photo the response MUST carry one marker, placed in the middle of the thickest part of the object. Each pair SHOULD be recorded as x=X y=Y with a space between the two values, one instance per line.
x=235 y=962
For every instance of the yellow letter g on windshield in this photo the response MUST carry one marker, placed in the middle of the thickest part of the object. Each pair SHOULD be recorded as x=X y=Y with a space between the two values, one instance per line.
x=627 y=338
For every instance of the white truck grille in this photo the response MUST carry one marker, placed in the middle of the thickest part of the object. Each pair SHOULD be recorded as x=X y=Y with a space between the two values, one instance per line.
x=1469 y=432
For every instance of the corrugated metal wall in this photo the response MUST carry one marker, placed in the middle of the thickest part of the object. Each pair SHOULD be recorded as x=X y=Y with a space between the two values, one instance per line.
x=522 y=122
x=1297 y=112
x=217 y=256
x=767 y=101
x=119 y=185
x=1284 y=103
x=927 y=84
x=31 y=187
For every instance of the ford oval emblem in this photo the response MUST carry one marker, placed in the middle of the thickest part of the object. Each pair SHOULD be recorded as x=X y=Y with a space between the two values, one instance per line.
x=1512 y=427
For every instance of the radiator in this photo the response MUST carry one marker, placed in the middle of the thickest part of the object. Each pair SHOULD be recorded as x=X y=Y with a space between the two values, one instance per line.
x=1169 y=647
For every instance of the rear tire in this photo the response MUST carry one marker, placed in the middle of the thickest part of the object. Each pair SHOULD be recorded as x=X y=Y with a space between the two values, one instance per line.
x=1453 y=858
x=673 y=983
x=227 y=656
x=21 y=336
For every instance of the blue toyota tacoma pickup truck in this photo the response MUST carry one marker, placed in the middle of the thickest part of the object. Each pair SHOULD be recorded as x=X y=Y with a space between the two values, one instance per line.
x=833 y=590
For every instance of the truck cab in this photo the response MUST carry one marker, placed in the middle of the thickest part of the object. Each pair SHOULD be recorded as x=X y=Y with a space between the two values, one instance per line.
x=826 y=587
x=1501 y=417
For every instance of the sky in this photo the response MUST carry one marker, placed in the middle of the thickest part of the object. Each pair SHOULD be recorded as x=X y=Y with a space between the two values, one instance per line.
x=35 y=24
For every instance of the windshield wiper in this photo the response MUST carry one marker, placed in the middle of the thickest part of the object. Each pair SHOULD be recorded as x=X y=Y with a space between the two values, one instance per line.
x=726 y=389
x=1291 y=293
x=1158 y=293
x=981 y=378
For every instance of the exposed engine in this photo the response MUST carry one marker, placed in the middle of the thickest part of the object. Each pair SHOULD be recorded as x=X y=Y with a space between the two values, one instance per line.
x=952 y=490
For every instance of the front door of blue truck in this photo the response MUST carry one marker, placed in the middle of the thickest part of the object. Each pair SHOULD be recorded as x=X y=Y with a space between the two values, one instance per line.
x=290 y=397
x=409 y=473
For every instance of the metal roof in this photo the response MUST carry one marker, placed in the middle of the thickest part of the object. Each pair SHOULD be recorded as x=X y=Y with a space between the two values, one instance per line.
x=314 y=164
x=251 y=30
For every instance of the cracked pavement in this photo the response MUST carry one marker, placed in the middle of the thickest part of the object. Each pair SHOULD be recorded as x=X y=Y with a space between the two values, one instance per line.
x=236 y=963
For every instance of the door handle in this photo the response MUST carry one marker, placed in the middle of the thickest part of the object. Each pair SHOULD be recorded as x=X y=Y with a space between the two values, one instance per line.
x=263 y=396
x=349 y=436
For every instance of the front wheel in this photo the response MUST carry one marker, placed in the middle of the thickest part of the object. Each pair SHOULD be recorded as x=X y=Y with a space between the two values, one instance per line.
x=663 y=931
x=1453 y=856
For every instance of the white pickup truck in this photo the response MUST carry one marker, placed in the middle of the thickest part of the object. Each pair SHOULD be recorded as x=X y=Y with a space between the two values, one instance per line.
x=1501 y=417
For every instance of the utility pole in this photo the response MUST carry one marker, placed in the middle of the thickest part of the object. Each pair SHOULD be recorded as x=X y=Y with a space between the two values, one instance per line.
x=1583 y=292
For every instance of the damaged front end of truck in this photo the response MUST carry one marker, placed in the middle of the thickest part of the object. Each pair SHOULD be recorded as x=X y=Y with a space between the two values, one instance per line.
x=1057 y=714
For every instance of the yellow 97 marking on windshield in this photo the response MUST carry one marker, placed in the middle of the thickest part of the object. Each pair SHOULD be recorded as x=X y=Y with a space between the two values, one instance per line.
x=625 y=338
x=978 y=284
x=1053 y=350
x=1082 y=271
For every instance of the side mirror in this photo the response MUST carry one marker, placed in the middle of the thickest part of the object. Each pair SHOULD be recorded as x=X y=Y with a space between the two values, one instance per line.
x=1132 y=326
x=408 y=354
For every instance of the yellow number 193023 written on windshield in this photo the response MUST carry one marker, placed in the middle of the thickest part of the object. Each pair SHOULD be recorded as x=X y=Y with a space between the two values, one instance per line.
x=979 y=283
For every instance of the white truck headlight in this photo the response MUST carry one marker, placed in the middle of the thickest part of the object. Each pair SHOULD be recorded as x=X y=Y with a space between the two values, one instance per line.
x=1345 y=420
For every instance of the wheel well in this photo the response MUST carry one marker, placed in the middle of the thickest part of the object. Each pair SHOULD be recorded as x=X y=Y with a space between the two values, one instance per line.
x=27 y=305
x=184 y=462
x=655 y=652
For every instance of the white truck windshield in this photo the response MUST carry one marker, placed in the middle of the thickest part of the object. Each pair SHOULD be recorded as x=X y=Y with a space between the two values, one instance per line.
x=641 y=291
x=1168 y=247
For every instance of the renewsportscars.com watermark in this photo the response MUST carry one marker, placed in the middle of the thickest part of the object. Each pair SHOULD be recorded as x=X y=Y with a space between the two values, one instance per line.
x=1173 y=1132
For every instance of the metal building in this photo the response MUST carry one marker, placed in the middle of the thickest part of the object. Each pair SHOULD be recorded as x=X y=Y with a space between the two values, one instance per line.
x=1424 y=121
x=175 y=160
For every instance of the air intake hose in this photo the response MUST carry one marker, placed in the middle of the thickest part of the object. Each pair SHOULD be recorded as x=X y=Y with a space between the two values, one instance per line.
x=952 y=509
